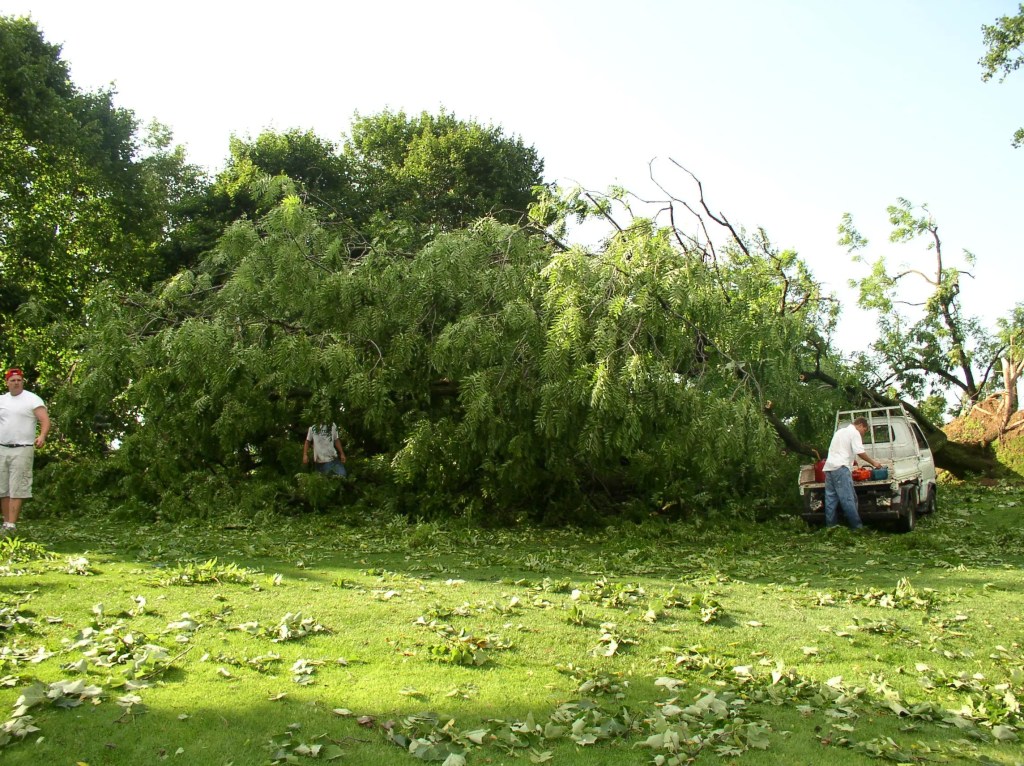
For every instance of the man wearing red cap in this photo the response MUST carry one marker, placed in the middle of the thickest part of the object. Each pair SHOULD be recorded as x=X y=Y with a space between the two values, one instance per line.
x=20 y=410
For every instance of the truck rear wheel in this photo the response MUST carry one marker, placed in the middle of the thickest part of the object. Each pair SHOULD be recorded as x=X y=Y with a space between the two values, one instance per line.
x=908 y=509
x=814 y=507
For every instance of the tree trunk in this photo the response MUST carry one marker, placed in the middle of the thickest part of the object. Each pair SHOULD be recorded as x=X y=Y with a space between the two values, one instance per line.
x=961 y=459
x=1011 y=373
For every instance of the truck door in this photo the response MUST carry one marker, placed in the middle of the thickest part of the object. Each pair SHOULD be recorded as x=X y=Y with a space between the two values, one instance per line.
x=925 y=458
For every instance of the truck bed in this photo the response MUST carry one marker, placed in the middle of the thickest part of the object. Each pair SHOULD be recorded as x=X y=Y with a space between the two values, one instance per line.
x=856 y=484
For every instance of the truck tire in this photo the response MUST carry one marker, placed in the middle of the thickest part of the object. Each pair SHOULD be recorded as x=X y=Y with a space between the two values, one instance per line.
x=929 y=504
x=908 y=509
x=814 y=497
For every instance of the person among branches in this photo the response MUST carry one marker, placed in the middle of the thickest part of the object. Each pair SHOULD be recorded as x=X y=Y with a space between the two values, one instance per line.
x=328 y=456
x=846 y=448
x=20 y=410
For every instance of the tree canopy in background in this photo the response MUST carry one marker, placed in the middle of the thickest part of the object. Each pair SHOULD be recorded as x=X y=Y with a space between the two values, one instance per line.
x=83 y=199
x=439 y=173
x=927 y=346
x=1005 y=43
x=396 y=179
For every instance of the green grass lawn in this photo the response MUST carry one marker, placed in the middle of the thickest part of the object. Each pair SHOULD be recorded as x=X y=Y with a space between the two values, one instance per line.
x=303 y=640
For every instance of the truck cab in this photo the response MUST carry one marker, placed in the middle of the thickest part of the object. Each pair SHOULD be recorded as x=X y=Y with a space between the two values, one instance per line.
x=909 y=487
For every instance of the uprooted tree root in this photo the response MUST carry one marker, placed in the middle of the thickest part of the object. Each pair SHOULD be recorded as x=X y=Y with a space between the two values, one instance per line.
x=983 y=427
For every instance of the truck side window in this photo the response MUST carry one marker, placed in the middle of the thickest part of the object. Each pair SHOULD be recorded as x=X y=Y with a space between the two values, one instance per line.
x=880 y=434
x=921 y=441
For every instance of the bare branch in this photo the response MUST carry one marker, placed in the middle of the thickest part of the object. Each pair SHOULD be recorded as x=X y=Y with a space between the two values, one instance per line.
x=721 y=221
x=921 y=274
x=603 y=212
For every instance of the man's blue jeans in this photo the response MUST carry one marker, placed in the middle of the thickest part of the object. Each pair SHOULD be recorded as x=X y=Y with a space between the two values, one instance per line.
x=839 y=491
x=332 y=468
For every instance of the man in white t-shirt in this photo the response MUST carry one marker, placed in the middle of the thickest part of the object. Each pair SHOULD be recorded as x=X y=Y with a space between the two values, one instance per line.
x=328 y=456
x=20 y=411
x=846 y=448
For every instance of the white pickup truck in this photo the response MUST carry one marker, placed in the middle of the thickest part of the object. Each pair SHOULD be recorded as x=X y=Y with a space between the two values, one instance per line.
x=895 y=440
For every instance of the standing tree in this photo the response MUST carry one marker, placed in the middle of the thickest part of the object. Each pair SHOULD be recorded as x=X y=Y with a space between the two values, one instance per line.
x=1005 y=42
x=257 y=174
x=927 y=346
x=395 y=182
x=438 y=173
x=935 y=346
x=81 y=201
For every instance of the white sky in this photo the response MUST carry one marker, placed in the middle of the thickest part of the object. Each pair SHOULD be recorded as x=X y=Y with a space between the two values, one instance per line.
x=791 y=112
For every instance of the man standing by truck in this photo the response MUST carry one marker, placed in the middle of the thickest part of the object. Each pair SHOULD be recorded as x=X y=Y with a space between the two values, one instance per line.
x=20 y=410
x=846 y=448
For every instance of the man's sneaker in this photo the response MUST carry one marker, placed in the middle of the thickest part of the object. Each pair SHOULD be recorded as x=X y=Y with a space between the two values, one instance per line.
x=6 y=531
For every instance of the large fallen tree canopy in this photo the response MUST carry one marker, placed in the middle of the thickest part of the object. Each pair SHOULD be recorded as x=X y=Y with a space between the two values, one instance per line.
x=494 y=370
x=493 y=373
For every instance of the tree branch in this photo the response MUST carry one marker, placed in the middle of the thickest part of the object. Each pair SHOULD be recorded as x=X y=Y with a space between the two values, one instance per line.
x=786 y=435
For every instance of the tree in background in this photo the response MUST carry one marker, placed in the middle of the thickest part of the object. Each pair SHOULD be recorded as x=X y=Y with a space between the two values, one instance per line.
x=1005 y=43
x=927 y=345
x=83 y=200
x=437 y=173
x=256 y=175
x=396 y=181
x=939 y=347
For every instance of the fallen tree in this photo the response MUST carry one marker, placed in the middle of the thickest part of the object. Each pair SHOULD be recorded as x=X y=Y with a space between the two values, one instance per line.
x=495 y=372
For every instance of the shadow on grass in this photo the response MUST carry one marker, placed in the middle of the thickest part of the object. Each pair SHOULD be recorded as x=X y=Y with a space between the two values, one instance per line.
x=249 y=731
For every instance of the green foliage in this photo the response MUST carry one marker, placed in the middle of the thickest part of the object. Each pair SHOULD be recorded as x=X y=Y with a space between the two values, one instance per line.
x=904 y=596
x=1004 y=41
x=461 y=648
x=14 y=550
x=207 y=573
x=395 y=182
x=439 y=173
x=926 y=344
x=258 y=173
x=83 y=199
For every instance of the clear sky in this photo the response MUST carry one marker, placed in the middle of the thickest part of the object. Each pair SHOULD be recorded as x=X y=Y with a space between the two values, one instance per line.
x=791 y=112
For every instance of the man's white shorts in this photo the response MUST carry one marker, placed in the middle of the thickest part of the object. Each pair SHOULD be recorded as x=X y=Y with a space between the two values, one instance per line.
x=16 y=471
